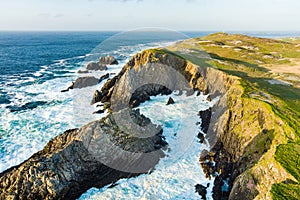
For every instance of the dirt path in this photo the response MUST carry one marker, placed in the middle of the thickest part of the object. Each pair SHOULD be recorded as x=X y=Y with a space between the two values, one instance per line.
x=293 y=68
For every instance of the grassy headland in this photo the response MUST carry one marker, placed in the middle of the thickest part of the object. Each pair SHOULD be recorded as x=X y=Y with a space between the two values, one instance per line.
x=269 y=74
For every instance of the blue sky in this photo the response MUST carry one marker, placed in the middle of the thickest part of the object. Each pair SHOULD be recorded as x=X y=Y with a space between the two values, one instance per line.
x=197 y=15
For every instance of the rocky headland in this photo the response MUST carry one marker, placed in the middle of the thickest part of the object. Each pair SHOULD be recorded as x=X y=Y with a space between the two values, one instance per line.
x=251 y=129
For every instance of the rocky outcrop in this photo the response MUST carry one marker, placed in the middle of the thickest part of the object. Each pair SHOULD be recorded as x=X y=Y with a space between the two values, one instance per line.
x=96 y=66
x=96 y=155
x=205 y=119
x=96 y=97
x=83 y=82
x=201 y=190
x=108 y=60
x=146 y=74
x=102 y=78
x=170 y=101
x=102 y=64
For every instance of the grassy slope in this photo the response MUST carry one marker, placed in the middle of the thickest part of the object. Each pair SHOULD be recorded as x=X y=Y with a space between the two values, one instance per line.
x=252 y=59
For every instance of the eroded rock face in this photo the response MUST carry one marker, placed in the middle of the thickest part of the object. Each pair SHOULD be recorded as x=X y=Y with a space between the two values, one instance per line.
x=205 y=118
x=72 y=162
x=151 y=73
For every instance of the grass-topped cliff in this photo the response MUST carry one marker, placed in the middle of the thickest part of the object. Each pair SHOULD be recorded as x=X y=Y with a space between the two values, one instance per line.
x=264 y=108
x=253 y=129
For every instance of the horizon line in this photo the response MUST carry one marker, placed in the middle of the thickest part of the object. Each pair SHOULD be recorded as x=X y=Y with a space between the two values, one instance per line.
x=166 y=30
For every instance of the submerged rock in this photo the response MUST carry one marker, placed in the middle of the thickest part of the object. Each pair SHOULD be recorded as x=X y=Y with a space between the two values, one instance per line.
x=95 y=155
x=27 y=106
x=82 y=71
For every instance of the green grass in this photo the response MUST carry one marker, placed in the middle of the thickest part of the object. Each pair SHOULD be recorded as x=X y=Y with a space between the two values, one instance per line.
x=283 y=191
x=288 y=155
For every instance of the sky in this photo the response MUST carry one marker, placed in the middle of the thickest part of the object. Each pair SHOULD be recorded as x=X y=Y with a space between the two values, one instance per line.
x=122 y=15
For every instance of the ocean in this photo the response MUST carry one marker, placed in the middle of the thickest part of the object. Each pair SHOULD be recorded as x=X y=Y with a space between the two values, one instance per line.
x=36 y=66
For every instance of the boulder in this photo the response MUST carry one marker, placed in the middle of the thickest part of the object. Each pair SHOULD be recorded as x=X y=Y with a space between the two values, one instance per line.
x=96 y=66
x=83 y=82
x=170 y=101
x=108 y=60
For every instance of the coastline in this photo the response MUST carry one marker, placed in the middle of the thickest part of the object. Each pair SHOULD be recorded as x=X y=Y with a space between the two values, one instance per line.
x=215 y=81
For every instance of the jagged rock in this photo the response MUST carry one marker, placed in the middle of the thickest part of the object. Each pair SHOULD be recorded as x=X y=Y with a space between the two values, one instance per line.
x=96 y=97
x=201 y=190
x=95 y=155
x=205 y=118
x=170 y=101
x=102 y=78
x=83 y=82
x=108 y=60
x=201 y=137
x=96 y=66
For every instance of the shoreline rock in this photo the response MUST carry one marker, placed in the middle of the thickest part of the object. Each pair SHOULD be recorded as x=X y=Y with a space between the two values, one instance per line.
x=102 y=78
x=108 y=60
x=170 y=101
x=96 y=67
x=201 y=190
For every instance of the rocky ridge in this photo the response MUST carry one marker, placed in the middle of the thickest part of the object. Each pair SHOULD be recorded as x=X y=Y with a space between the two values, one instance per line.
x=72 y=162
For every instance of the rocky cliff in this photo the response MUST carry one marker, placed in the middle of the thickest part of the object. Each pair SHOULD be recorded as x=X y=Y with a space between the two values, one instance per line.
x=243 y=131
x=95 y=155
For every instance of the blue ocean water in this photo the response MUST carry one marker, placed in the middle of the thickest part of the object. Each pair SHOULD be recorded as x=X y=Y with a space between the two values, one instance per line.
x=36 y=66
